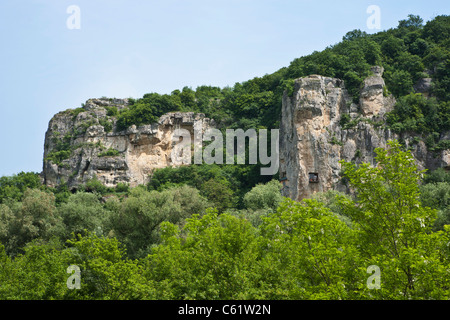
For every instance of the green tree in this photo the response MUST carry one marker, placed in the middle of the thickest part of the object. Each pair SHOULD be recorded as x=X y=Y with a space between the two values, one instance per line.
x=218 y=193
x=354 y=34
x=135 y=221
x=394 y=229
x=94 y=185
x=412 y=64
x=147 y=110
x=264 y=196
x=35 y=217
x=211 y=258
x=438 y=29
x=107 y=274
x=437 y=196
x=415 y=113
x=187 y=97
x=412 y=22
x=37 y=274
x=399 y=82
x=392 y=47
x=82 y=213
x=310 y=254
x=438 y=175
x=331 y=199
x=13 y=187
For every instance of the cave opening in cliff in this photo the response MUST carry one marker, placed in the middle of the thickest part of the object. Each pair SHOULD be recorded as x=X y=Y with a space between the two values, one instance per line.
x=313 y=177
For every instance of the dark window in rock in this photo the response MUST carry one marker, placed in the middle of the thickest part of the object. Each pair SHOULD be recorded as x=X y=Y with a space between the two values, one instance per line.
x=313 y=178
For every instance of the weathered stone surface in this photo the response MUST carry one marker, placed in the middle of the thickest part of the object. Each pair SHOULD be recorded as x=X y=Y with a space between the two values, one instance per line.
x=95 y=103
x=312 y=141
x=445 y=159
x=141 y=149
x=372 y=100
x=310 y=120
x=312 y=138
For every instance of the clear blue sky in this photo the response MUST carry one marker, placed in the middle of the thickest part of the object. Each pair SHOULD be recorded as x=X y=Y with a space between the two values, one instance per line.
x=126 y=48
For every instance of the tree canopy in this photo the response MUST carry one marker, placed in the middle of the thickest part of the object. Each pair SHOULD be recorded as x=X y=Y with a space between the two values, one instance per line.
x=225 y=231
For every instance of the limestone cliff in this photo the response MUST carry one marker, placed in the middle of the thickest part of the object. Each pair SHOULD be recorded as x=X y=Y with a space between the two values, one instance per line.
x=320 y=125
x=82 y=144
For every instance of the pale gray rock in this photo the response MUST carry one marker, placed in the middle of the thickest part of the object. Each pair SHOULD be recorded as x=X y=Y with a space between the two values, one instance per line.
x=312 y=142
x=140 y=149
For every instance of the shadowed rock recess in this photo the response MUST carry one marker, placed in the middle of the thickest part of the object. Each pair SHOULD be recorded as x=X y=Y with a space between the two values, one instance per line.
x=320 y=125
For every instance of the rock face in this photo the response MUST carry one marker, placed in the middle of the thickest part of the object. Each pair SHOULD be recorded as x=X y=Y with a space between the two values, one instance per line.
x=83 y=144
x=321 y=125
x=372 y=101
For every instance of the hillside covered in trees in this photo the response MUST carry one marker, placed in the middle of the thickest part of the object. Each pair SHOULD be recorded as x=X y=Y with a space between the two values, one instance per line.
x=225 y=231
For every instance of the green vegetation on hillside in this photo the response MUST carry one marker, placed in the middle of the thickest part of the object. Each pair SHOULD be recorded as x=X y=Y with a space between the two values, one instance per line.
x=411 y=51
x=171 y=244
x=225 y=231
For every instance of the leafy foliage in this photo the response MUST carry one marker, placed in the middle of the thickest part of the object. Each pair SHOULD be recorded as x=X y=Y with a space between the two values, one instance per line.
x=224 y=232
x=147 y=110
x=82 y=212
x=411 y=51
x=109 y=153
x=264 y=196
x=136 y=220
x=233 y=180
x=415 y=113
x=167 y=245
x=21 y=222
x=13 y=187
x=394 y=229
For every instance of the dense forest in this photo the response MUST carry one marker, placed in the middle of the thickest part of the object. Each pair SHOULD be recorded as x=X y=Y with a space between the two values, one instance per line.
x=225 y=231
